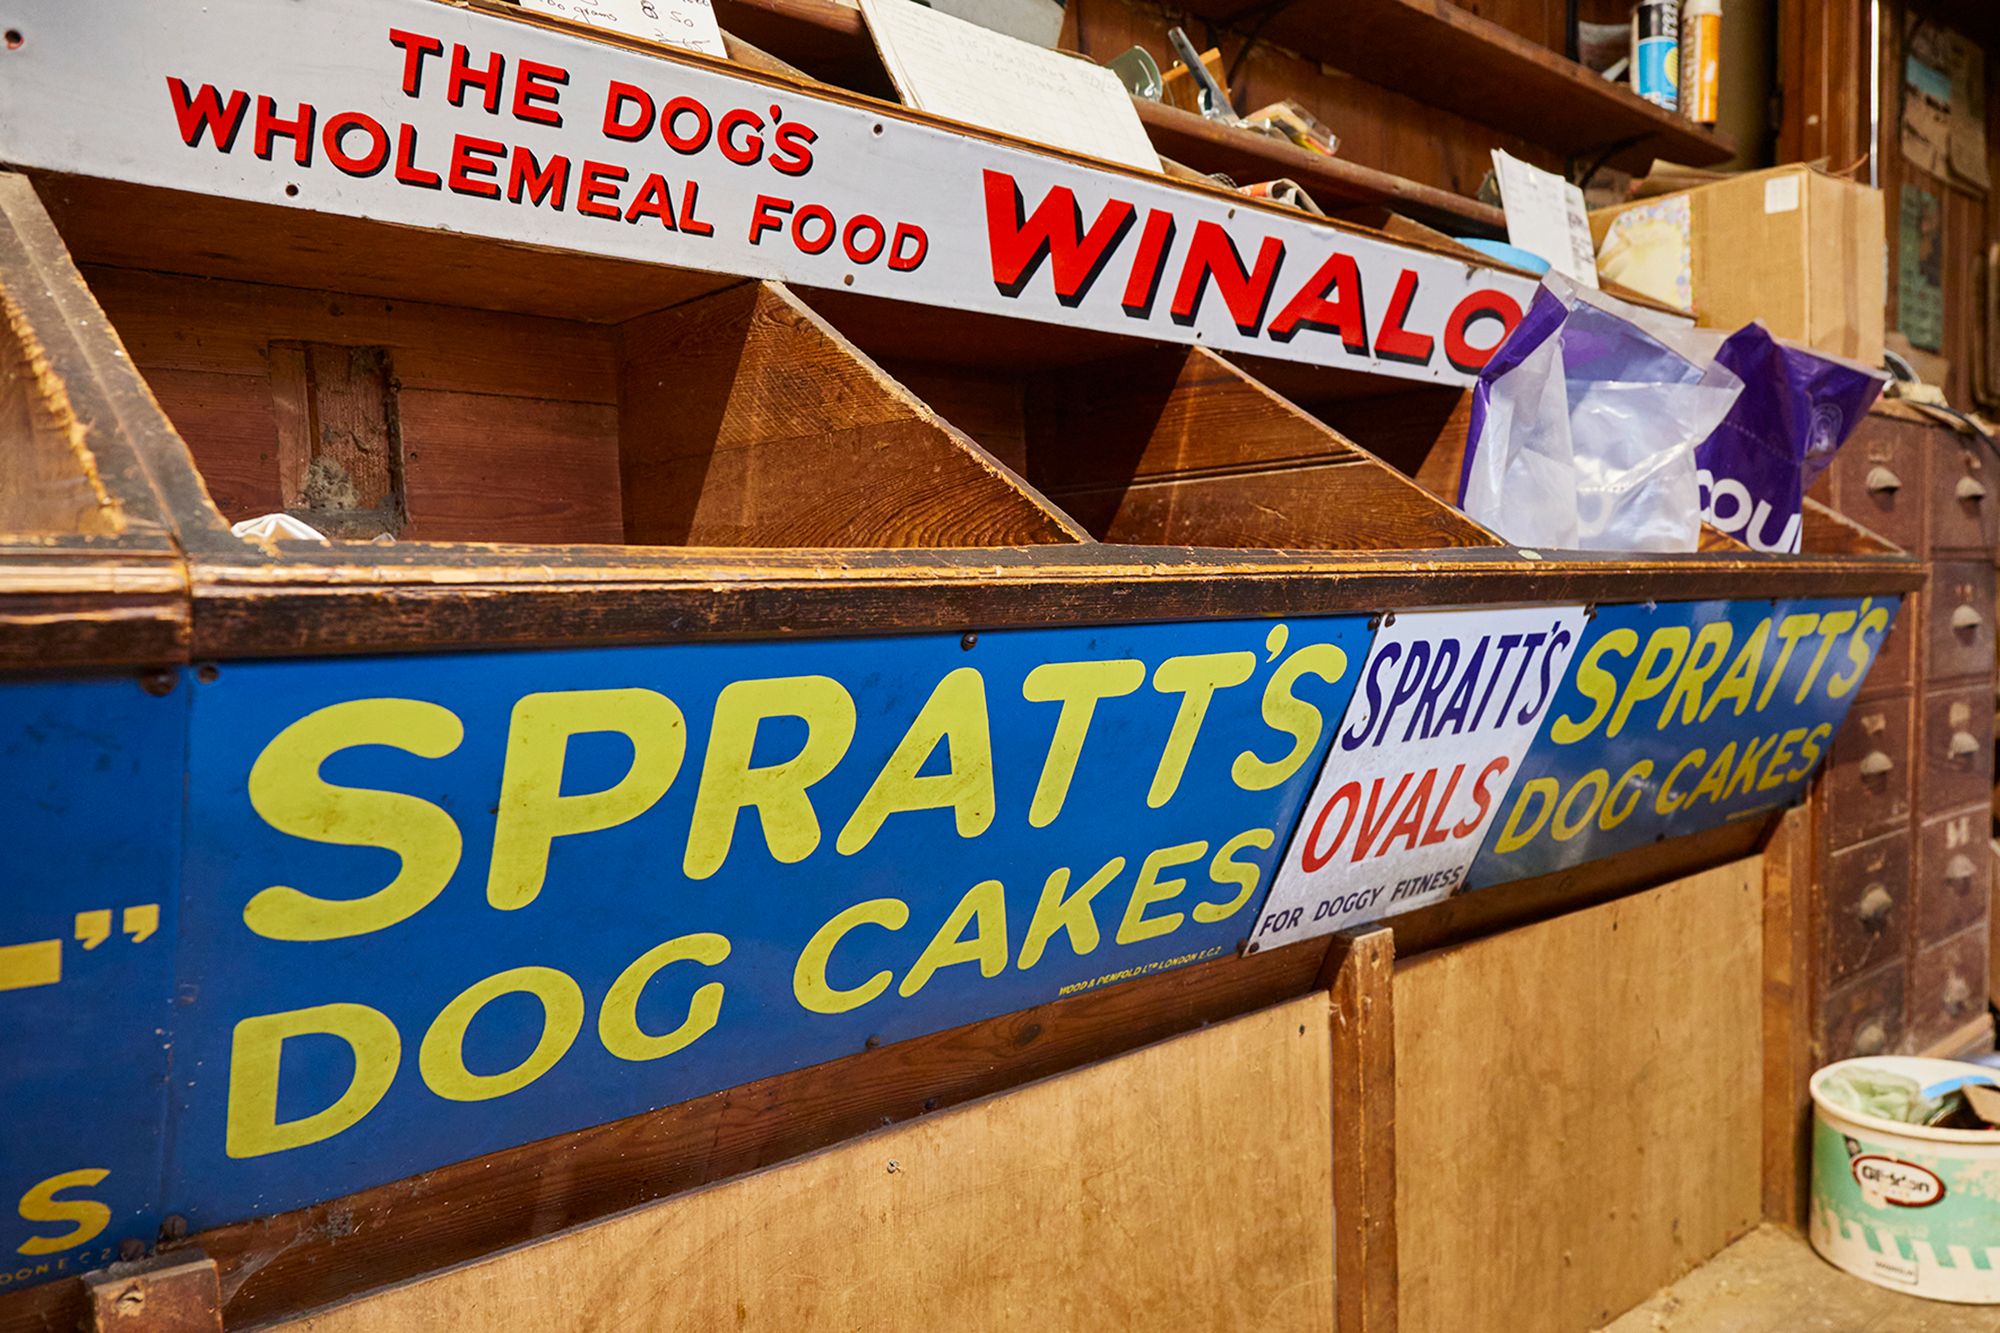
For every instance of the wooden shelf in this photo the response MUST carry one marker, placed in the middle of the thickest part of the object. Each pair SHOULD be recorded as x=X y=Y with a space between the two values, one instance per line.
x=1246 y=156
x=829 y=41
x=1443 y=55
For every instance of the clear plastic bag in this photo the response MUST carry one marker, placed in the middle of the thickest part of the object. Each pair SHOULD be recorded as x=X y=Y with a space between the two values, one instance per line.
x=1584 y=427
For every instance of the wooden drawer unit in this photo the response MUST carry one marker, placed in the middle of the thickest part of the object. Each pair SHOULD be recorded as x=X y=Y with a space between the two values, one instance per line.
x=1868 y=780
x=1954 y=873
x=1957 y=747
x=1877 y=479
x=1959 y=631
x=1866 y=920
x=1961 y=505
x=1865 y=1016
x=1947 y=987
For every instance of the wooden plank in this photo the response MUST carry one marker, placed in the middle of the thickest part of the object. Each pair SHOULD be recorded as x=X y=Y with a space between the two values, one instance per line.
x=279 y=1266
x=208 y=236
x=229 y=422
x=748 y=421
x=387 y=598
x=1364 y=1129
x=1185 y=449
x=1333 y=182
x=171 y=322
x=48 y=478
x=1119 y=1196
x=1578 y=1107
x=171 y=1294
x=1790 y=1006
x=482 y=468
x=1450 y=57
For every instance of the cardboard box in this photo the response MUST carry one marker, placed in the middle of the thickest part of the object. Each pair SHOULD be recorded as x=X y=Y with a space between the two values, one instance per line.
x=1798 y=249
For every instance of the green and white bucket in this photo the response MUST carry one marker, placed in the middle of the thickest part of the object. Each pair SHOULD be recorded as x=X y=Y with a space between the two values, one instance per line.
x=1906 y=1206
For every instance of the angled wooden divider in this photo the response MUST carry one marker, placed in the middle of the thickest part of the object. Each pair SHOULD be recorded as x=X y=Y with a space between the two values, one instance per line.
x=1181 y=448
x=746 y=420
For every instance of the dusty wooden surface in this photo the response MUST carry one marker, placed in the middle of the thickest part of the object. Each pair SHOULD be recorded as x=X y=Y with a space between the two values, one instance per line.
x=1578 y=1107
x=1364 y=1129
x=1184 y=1185
x=1770 y=1281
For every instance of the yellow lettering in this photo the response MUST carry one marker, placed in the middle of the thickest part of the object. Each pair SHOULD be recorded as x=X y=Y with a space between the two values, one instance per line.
x=1635 y=777
x=1809 y=751
x=1649 y=678
x=255 y=1050
x=1150 y=889
x=1831 y=626
x=441 y=1057
x=87 y=1217
x=984 y=907
x=809 y=983
x=1513 y=838
x=288 y=793
x=1715 y=781
x=955 y=715
x=1195 y=678
x=1670 y=800
x=729 y=785
x=1594 y=783
x=1287 y=713
x=1070 y=913
x=1860 y=652
x=533 y=811
x=1596 y=684
x=1226 y=869
x=1077 y=686
x=1741 y=678
x=1711 y=643
x=618 y=1017
x=1790 y=631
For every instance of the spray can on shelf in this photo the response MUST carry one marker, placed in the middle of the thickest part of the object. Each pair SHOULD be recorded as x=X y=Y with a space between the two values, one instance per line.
x=1656 y=41
x=1701 y=60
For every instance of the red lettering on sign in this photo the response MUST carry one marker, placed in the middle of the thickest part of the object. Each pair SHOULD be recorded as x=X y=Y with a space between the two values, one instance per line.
x=652 y=201
x=1330 y=302
x=334 y=140
x=1395 y=342
x=1212 y=256
x=464 y=74
x=407 y=170
x=536 y=83
x=1143 y=287
x=1480 y=305
x=599 y=181
x=690 y=224
x=904 y=258
x=1054 y=232
x=270 y=126
x=475 y=166
x=616 y=98
x=206 y=113
x=794 y=149
x=528 y=179
x=415 y=47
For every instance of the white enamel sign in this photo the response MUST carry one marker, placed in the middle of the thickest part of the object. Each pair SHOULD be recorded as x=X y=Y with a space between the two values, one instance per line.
x=451 y=117
x=1445 y=707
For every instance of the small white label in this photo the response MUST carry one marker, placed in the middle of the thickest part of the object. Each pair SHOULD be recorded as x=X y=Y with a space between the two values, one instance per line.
x=688 y=24
x=1781 y=193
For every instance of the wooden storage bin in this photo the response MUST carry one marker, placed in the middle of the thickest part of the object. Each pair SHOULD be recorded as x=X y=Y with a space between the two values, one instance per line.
x=736 y=419
x=1154 y=446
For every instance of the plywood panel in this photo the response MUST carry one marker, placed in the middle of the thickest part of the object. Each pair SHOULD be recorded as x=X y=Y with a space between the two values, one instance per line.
x=1578 y=1104
x=1183 y=1186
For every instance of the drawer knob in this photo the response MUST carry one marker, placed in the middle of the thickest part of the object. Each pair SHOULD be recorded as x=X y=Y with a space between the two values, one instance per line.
x=1971 y=488
x=1876 y=763
x=1881 y=478
x=1957 y=992
x=1871 y=1038
x=1873 y=909
x=1964 y=617
x=1959 y=869
x=1963 y=745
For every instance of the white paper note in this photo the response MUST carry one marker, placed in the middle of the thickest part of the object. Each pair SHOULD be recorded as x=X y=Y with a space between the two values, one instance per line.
x=689 y=24
x=1546 y=217
x=961 y=71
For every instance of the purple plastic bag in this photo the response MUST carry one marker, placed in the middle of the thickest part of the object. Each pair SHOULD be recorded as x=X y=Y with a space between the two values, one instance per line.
x=1796 y=409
